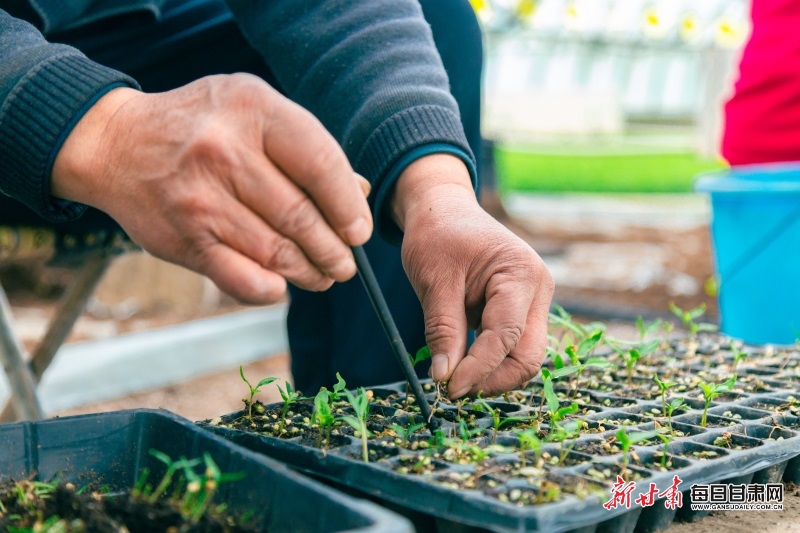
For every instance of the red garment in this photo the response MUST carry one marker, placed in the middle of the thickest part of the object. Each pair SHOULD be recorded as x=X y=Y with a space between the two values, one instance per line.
x=762 y=119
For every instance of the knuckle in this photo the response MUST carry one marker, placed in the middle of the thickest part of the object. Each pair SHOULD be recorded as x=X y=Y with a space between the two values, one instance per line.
x=441 y=329
x=327 y=159
x=299 y=219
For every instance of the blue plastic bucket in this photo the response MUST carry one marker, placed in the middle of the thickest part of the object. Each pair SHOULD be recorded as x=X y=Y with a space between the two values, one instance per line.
x=756 y=238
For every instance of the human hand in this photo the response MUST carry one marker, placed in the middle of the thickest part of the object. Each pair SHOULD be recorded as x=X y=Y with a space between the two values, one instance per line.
x=224 y=176
x=468 y=269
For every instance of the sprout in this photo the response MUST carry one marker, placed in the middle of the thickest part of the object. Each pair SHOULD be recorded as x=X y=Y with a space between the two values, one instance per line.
x=627 y=440
x=360 y=404
x=289 y=397
x=711 y=391
x=253 y=391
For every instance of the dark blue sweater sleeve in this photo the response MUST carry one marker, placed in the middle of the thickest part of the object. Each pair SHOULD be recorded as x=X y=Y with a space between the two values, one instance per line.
x=44 y=90
x=370 y=72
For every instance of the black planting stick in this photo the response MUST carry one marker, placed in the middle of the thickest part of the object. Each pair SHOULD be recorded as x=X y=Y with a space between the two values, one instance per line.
x=385 y=316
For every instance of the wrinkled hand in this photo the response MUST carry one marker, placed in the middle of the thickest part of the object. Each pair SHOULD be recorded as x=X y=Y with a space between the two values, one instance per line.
x=469 y=270
x=224 y=176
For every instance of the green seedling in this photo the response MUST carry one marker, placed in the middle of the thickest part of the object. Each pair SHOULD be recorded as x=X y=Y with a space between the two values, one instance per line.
x=360 y=404
x=497 y=416
x=676 y=403
x=192 y=494
x=567 y=437
x=687 y=318
x=323 y=415
x=711 y=391
x=738 y=356
x=626 y=440
x=289 y=396
x=663 y=386
x=200 y=489
x=143 y=491
x=577 y=352
x=253 y=391
x=529 y=441
x=631 y=356
x=405 y=432
x=666 y=439
x=645 y=330
x=556 y=412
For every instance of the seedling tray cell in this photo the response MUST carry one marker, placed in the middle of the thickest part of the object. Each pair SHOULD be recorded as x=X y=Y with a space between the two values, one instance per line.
x=750 y=436
x=112 y=449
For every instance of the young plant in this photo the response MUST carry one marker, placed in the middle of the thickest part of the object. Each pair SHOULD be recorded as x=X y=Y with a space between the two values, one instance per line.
x=626 y=440
x=711 y=391
x=563 y=434
x=323 y=415
x=632 y=355
x=666 y=439
x=405 y=432
x=664 y=386
x=676 y=403
x=646 y=330
x=289 y=396
x=200 y=489
x=687 y=318
x=529 y=441
x=360 y=404
x=497 y=416
x=253 y=391
x=423 y=354
x=738 y=356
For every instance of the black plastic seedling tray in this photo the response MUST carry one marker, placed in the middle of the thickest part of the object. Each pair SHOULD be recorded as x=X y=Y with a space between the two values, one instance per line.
x=111 y=450
x=757 y=439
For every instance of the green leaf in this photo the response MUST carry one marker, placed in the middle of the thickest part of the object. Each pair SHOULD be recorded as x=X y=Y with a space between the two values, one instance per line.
x=352 y=421
x=565 y=371
x=697 y=312
x=266 y=381
x=564 y=411
x=423 y=354
x=675 y=403
x=649 y=347
x=161 y=456
x=640 y=326
x=340 y=384
x=558 y=361
x=599 y=362
x=641 y=436
x=590 y=343
x=663 y=385
x=726 y=386
x=550 y=396
x=573 y=355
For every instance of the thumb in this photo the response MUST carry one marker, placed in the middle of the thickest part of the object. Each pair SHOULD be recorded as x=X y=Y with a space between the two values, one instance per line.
x=445 y=330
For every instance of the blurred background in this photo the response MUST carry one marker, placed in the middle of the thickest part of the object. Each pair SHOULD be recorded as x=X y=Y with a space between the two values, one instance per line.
x=598 y=115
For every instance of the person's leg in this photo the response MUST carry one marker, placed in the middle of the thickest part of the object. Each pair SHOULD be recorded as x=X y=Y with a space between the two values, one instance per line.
x=360 y=350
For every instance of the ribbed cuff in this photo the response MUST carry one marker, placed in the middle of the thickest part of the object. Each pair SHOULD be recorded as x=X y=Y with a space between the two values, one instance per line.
x=400 y=140
x=37 y=117
x=385 y=224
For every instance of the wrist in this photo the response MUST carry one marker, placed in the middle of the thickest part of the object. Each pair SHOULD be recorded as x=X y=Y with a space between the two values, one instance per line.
x=429 y=181
x=79 y=168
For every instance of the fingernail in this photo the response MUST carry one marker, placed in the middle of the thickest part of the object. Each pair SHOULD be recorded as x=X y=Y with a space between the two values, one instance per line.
x=439 y=367
x=458 y=393
x=358 y=232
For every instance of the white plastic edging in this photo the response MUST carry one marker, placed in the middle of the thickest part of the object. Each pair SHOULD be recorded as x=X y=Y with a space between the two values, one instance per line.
x=93 y=371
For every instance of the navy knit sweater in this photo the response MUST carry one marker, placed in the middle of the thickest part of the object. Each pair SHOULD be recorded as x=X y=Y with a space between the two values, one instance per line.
x=368 y=70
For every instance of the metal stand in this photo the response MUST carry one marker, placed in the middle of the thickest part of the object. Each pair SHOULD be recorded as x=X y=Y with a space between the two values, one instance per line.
x=24 y=403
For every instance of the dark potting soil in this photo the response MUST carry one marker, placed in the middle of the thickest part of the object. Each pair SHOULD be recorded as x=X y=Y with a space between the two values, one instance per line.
x=94 y=512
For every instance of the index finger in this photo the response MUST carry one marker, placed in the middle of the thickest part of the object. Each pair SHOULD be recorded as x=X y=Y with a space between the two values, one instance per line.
x=304 y=150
